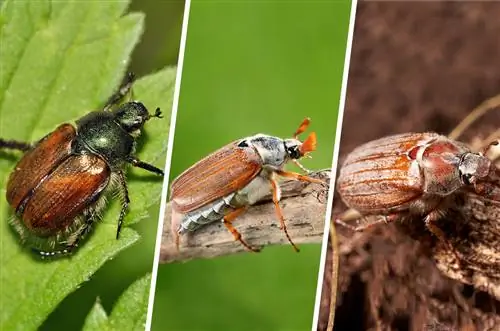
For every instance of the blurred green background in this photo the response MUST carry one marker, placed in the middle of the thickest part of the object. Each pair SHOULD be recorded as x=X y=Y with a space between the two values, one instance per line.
x=253 y=67
x=159 y=47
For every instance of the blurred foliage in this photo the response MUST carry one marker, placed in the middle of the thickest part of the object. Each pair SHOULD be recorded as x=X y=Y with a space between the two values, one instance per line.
x=253 y=67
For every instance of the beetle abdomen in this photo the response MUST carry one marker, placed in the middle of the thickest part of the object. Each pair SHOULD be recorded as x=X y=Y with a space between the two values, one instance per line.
x=382 y=176
x=209 y=213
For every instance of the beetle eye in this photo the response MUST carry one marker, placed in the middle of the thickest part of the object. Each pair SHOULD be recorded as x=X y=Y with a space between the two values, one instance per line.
x=466 y=179
x=294 y=152
x=243 y=143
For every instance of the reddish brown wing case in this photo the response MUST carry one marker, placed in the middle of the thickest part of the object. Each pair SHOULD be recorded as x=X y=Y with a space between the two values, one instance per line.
x=65 y=193
x=38 y=162
x=217 y=175
x=378 y=175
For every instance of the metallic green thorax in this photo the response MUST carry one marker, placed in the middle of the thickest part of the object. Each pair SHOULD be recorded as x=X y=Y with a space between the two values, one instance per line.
x=111 y=135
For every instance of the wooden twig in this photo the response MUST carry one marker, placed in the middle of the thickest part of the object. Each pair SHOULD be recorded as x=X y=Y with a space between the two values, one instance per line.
x=304 y=206
x=474 y=115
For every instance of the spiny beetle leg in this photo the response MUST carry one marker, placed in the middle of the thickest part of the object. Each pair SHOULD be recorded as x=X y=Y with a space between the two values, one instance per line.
x=430 y=221
x=146 y=166
x=16 y=145
x=228 y=220
x=122 y=91
x=177 y=240
x=304 y=169
x=360 y=228
x=279 y=212
x=82 y=232
x=296 y=176
x=125 y=202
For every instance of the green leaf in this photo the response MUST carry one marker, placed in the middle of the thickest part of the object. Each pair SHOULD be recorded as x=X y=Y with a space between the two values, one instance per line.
x=97 y=319
x=129 y=312
x=58 y=61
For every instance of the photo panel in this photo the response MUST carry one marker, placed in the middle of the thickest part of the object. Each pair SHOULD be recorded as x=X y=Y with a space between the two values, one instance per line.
x=416 y=213
x=65 y=262
x=250 y=68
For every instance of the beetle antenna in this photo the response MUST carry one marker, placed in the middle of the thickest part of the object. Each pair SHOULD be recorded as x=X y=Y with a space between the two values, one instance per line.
x=157 y=114
x=303 y=126
x=309 y=145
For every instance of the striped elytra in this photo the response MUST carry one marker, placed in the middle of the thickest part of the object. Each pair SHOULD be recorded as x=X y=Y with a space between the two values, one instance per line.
x=399 y=172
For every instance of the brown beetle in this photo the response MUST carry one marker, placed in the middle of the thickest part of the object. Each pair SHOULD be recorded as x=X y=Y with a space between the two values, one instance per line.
x=222 y=185
x=59 y=186
x=413 y=173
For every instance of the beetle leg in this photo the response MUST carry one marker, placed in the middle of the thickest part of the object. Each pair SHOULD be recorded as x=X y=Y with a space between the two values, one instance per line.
x=122 y=91
x=276 y=198
x=488 y=190
x=146 y=166
x=304 y=169
x=175 y=228
x=296 y=176
x=71 y=243
x=228 y=220
x=125 y=202
x=13 y=144
x=177 y=241
x=359 y=228
x=430 y=221
x=80 y=234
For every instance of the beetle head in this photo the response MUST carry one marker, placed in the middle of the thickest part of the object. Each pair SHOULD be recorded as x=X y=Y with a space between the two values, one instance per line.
x=131 y=116
x=296 y=149
x=473 y=167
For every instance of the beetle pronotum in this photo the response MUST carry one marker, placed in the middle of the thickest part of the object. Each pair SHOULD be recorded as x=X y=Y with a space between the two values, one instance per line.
x=416 y=174
x=58 y=187
x=222 y=185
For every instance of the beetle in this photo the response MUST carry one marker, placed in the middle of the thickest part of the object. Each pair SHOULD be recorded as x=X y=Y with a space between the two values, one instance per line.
x=59 y=186
x=414 y=174
x=224 y=184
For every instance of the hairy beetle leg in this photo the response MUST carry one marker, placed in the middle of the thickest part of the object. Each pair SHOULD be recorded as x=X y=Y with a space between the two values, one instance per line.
x=359 y=228
x=304 y=169
x=430 y=220
x=16 y=145
x=146 y=166
x=276 y=198
x=228 y=220
x=125 y=202
x=296 y=176
x=122 y=91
